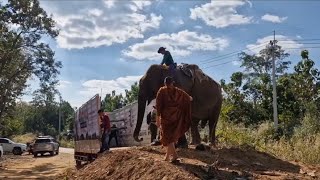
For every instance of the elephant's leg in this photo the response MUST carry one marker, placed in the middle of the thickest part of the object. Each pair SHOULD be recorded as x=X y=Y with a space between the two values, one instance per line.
x=195 y=132
x=213 y=120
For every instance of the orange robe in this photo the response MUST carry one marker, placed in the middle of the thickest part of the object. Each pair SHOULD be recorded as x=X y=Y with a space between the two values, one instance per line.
x=174 y=113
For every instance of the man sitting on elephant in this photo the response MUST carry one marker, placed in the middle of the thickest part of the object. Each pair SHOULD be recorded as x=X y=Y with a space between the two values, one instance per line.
x=167 y=59
x=174 y=115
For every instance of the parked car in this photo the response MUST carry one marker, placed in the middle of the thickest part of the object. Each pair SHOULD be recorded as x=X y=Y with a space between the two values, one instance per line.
x=45 y=144
x=1 y=151
x=10 y=146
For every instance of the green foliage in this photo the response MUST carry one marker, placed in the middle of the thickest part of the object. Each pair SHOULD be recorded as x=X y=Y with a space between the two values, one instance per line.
x=113 y=101
x=38 y=119
x=23 y=24
x=66 y=143
x=246 y=114
x=304 y=148
x=248 y=95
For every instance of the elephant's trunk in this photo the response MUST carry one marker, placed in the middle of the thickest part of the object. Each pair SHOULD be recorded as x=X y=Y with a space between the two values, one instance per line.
x=141 y=110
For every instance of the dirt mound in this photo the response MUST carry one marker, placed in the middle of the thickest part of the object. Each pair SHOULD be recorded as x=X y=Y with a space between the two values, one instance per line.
x=221 y=163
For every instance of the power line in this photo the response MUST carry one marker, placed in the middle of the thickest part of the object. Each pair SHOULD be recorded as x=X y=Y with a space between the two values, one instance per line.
x=298 y=40
x=302 y=43
x=225 y=56
x=222 y=57
x=315 y=47
x=220 y=64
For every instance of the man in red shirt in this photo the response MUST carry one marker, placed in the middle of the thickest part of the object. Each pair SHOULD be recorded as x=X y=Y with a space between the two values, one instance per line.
x=105 y=129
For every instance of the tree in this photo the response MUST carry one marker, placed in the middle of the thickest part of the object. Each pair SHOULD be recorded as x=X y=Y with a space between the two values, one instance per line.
x=113 y=101
x=67 y=115
x=22 y=25
x=132 y=94
x=250 y=93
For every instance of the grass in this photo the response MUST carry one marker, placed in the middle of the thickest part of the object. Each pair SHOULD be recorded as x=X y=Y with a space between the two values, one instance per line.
x=304 y=149
x=66 y=143
x=25 y=138
x=29 y=137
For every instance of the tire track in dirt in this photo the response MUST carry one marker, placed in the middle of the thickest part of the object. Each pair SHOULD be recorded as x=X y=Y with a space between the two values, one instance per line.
x=28 y=167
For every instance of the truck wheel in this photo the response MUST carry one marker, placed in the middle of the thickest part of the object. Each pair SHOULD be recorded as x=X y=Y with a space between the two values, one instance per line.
x=35 y=155
x=57 y=152
x=51 y=153
x=17 y=151
x=78 y=163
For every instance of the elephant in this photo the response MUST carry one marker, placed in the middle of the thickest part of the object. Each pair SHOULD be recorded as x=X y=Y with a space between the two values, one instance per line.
x=206 y=93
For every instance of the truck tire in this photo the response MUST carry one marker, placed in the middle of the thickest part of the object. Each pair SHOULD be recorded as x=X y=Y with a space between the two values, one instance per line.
x=35 y=155
x=57 y=152
x=78 y=163
x=17 y=151
x=51 y=153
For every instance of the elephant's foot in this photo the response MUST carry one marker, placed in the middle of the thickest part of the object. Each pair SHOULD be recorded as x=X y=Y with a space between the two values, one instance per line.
x=196 y=142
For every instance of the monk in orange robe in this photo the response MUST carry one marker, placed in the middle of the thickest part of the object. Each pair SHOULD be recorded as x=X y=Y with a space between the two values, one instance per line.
x=174 y=116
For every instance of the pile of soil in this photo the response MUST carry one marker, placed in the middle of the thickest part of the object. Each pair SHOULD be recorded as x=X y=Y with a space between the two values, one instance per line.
x=220 y=163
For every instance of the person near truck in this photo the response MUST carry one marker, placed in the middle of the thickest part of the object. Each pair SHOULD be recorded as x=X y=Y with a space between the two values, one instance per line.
x=155 y=138
x=174 y=116
x=105 y=130
x=114 y=134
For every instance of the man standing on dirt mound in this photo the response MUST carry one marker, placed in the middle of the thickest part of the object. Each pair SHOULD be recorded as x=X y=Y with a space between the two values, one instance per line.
x=174 y=116
x=105 y=129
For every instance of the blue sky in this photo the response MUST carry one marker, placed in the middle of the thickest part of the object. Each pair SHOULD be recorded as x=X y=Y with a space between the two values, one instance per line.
x=109 y=45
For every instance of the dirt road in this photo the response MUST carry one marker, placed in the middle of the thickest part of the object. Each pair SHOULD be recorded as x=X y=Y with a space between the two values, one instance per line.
x=28 y=167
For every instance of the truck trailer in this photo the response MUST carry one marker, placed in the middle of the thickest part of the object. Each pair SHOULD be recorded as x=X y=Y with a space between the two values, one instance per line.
x=88 y=133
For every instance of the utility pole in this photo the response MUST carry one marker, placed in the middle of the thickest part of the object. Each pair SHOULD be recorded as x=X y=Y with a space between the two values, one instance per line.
x=274 y=85
x=59 y=118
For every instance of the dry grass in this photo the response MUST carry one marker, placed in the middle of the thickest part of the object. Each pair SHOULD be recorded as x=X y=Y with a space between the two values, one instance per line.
x=25 y=138
x=298 y=148
x=66 y=143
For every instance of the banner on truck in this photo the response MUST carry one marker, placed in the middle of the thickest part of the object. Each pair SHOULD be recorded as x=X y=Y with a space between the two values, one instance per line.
x=87 y=120
x=125 y=119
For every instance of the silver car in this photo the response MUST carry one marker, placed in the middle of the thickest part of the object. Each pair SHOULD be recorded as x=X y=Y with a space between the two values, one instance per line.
x=44 y=145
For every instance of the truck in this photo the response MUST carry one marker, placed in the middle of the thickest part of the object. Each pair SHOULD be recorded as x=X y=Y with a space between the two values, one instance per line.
x=88 y=133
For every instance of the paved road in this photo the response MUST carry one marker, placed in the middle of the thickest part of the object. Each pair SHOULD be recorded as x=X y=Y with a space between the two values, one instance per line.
x=66 y=150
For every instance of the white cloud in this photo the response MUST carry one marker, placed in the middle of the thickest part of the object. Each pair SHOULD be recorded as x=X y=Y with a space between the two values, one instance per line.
x=182 y=43
x=287 y=44
x=120 y=84
x=198 y=27
x=221 y=14
x=109 y=3
x=273 y=18
x=63 y=84
x=177 y=22
x=88 y=26
x=236 y=63
x=95 y=12
x=141 y=4
x=180 y=22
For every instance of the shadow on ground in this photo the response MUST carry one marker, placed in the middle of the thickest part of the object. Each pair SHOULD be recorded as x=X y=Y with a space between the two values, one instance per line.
x=229 y=163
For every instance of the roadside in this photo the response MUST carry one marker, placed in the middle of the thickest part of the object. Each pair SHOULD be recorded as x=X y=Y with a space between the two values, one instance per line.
x=28 y=167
